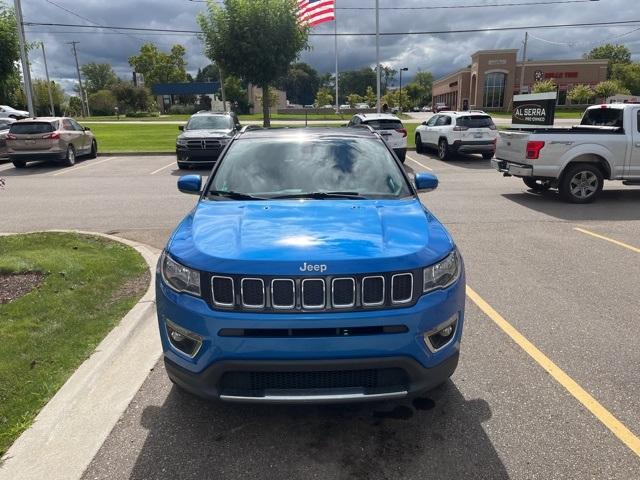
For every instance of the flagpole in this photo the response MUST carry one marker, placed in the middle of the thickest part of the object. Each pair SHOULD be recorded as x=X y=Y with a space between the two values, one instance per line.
x=335 y=36
x=378 y=54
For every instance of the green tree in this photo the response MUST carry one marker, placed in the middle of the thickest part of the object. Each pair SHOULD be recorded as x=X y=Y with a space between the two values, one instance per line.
x=98 y=76
x=256 y=41
x=370 y=97
x=74 y=107
x=132 y=99
x=41 y=97
x=103 y=102
x=210 y=73
x=353 y=99
x=301 y=83
x=9 y=56
x=392 y=99
x=581 y=94
x=356 y=81
x=628 y=76
x=609 y=88
x=544 y=86
x=237 y=94
x=323 y=97
x=614 y=53
x=159 y=67
x=387 y=77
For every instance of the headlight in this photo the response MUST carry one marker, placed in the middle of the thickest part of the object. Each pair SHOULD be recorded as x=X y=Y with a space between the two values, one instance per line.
x=179 y=277
x=181 y=142
x=443 y=274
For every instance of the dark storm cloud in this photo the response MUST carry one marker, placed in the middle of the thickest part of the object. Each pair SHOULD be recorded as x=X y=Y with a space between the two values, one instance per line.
x=439 y=54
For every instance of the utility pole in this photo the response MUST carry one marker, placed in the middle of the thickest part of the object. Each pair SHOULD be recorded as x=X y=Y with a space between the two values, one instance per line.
x=335 y=36
x=26 y=74
x=75 y=54
x=404 y=69
x=46 y=71
x=378 y=54
x=524 y=60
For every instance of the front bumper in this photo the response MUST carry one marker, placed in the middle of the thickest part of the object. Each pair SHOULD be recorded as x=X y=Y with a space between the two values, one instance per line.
x=292 y=358
x=510 y=168
x=197 y=156
x=482 y=146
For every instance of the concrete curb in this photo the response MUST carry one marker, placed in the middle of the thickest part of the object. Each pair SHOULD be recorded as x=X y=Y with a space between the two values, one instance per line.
x=71 y=428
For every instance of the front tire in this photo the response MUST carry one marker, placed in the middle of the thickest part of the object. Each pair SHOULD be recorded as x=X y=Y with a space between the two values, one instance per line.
x=70 y=158
x=94 y=150
x=444 y=152
x=487 y=156
x=581 y=183
x=419 y=146
x=182 y=166
x=402 y=156
x=19 y=163
x=536 y=185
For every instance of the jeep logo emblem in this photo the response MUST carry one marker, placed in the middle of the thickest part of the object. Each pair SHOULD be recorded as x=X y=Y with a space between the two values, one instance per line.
x=308 y=267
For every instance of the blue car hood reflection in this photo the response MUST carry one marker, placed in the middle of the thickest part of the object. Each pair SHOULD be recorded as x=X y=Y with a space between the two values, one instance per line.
x=278 y=237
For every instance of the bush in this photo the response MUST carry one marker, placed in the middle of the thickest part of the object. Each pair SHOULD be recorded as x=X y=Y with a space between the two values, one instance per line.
x=142 y=114
x=132 y=99
x=102 y=102
x=183 y=109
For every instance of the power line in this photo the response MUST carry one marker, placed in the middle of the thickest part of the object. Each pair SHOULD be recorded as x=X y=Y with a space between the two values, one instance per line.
x=361 y=34
x=448 y=7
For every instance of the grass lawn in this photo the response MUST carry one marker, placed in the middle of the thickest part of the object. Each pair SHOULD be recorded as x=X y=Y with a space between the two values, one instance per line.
x=255 y=116
x=90 y=283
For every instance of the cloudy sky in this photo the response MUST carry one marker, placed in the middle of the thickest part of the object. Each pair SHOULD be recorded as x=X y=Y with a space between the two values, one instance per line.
x=439 y=53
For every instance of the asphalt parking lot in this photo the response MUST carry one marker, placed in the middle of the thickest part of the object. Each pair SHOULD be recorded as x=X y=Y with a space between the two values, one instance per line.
x=551 y=328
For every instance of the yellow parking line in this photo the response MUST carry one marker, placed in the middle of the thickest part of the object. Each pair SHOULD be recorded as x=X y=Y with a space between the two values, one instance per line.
x=602 y=237
x=163 y=168
x=421 y=164
x=608 y=420
x=80 y=167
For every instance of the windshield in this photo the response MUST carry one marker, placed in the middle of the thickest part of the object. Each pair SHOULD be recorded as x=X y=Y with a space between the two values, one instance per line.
x=603 y=117
x=207 y=122
x=475 y=121
x=267 y=168
x=31 y=128
x=384 y=124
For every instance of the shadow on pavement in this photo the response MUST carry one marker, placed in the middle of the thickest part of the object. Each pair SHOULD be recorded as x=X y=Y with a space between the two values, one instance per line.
x=613 y=205
x=204 y=171
x=439 y=436
x=32 y=168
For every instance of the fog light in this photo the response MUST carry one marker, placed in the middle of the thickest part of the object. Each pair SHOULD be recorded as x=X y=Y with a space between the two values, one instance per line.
x=442 y=335
x=183 y=340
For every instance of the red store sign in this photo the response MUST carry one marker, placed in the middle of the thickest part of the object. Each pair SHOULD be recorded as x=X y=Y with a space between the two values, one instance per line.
x=561 y=75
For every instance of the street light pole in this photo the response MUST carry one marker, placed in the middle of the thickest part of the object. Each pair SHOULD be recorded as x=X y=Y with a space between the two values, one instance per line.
x=378 y=54
x=400 y=92
x=46 y=71
x=26 y=74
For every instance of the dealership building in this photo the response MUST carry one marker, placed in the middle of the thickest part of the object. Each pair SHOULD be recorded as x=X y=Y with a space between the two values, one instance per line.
x=494 y=76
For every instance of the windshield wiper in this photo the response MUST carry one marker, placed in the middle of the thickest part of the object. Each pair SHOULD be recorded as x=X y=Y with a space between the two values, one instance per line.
x=232 y=195
x=323 y=195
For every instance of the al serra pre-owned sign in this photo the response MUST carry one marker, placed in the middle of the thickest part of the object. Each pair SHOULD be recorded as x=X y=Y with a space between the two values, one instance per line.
x=534 y=110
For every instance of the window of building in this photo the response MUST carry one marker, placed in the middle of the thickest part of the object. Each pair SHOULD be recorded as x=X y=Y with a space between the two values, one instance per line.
x=494 y=85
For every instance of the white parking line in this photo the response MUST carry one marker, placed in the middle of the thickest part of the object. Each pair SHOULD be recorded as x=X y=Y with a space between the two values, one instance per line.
x=163 y=168
x=421 y=164
x=80 y=167
x=9 y=167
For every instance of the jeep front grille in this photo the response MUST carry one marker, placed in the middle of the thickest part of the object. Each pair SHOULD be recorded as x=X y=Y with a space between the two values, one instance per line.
x=339 y=293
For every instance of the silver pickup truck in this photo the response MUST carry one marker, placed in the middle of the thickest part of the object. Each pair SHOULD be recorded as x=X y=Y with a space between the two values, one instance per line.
x=575 y=160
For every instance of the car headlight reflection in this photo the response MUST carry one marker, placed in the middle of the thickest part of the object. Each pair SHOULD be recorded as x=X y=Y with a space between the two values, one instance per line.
x=179 y=277
x=443 y=274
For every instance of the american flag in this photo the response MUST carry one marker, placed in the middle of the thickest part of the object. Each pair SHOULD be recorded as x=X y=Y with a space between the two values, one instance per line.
x=315 y=12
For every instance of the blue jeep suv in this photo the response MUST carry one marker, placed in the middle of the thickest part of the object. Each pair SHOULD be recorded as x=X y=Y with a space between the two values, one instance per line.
x=309 y=271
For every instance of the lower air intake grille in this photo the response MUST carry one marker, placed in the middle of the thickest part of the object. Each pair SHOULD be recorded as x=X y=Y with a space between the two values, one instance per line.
x=256 y=383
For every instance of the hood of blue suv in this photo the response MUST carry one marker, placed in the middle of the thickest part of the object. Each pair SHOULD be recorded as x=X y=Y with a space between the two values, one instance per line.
x=279 y=237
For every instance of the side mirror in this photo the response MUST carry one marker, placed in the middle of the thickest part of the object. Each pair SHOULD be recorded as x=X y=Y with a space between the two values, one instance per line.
x=87 y=129
x=426 y=182
x=181 y=128
x=424 y=123
x=191 y=184
x=238 y=127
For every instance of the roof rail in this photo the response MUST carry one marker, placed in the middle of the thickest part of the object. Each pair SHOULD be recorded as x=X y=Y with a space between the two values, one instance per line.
x=368 y=127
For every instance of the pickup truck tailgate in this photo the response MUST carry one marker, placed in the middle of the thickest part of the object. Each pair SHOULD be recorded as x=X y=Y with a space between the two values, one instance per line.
x=512 y=146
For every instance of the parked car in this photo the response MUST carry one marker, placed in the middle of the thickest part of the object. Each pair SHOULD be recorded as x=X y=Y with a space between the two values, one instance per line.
x=5 y=123
x=204 y=137
x=389 y=126
x=426 y=108
x=439 y=107
x=458 y=132
x=309 y=271
x=345 y=106
x=576 y=160
x=60 y=139
x=10 y=112
x=362 y=106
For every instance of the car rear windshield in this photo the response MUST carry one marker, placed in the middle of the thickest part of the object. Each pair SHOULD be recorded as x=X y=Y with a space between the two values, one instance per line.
x=31 y=128
x=209 y=123
x=475 y=121
x=267 y=167
x=603 y=117
x=384 y=124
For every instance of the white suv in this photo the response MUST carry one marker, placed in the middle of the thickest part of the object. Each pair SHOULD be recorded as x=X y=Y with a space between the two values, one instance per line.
x=458 y=132
x=388 y=126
